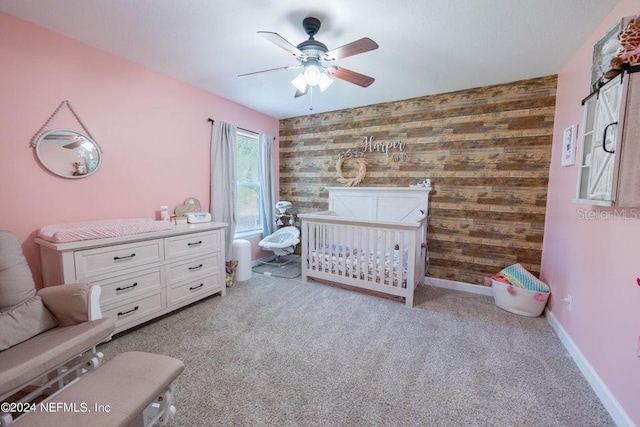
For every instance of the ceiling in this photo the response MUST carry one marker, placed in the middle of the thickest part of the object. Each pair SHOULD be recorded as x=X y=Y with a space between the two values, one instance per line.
x=426 y=46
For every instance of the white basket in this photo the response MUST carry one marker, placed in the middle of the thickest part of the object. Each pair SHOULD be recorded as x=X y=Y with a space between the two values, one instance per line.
x=519 y=301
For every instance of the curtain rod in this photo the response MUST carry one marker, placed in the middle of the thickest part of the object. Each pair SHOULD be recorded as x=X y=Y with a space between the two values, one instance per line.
x=237 y=127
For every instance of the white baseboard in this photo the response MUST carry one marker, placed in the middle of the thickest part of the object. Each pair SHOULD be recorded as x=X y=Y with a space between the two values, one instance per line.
x=458 y=286
x=620 y=417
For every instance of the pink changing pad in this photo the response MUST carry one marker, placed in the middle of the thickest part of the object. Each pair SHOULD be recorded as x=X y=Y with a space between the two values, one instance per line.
x=72 y=232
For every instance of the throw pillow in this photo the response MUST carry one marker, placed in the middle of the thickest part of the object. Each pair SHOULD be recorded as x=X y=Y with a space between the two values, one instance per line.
x=24 y=321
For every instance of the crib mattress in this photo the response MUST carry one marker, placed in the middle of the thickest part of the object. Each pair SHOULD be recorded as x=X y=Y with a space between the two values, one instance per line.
x=384 y=268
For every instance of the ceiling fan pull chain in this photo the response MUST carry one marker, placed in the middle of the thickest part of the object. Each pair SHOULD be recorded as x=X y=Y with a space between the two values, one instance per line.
x=310 y=98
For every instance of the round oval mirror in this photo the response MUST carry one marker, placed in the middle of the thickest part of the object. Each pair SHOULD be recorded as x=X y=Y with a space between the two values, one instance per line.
x=68 y=153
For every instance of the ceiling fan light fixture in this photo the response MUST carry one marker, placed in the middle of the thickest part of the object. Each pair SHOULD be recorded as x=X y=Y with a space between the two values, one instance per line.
x=299 y=83
x=324 y=82
x=312 y=72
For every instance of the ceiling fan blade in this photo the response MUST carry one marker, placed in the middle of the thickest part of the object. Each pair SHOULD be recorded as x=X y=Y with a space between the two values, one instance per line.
x=281 y=42
x=300 y=93
x=351 y=76
x=354 y=48
x=72 y=145
x=290 y=67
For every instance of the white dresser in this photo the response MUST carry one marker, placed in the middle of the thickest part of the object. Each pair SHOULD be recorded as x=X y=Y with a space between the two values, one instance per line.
x=145 y=275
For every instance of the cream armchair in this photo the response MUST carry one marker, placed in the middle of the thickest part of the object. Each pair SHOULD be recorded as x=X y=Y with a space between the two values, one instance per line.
x=48 y=339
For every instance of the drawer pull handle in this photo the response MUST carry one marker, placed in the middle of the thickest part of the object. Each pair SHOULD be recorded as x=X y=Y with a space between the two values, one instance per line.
x=127 y=287
x=122 y=313
x=123 y=258
x=197 y=267
x=193 y=288
x=194 y=244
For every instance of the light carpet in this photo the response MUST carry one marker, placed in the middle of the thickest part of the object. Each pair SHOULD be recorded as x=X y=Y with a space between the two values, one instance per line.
x=280 y=352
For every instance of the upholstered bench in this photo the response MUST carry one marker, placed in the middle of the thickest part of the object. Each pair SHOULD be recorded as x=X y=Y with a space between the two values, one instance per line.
x=132 y=389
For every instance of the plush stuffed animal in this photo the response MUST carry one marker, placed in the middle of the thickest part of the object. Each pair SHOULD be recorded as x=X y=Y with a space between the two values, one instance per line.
x=81 y=169
x=629 y=53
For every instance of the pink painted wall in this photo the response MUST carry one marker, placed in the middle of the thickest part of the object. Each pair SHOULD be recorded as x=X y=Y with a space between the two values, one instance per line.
x=597 y=261
x=153 y=130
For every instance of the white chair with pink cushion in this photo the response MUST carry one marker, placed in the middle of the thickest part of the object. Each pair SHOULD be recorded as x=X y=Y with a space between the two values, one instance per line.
x=48 y=338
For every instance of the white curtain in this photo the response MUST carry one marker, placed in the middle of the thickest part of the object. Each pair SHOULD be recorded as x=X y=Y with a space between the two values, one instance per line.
x=224 y=179
x=267 y=183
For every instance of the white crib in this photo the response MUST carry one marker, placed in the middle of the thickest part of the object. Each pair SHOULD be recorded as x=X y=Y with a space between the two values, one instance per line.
x=371 y=237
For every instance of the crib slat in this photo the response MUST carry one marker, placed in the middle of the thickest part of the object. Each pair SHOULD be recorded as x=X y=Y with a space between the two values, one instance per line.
x=325 y=242
x=350 y=242
x=391 y=257
x=398 y=260
x=382 y=242
x=334 y=267
x=307 y=245
x=310 y=244
x=314 y=246
x=374 y=256
x=338 y=242
x=348 y=237
x=330 y=231
x=393 y=267
x=362 y=255
x=342 y=237
x=319 y=246
x=357 y=244
x=330 y=266
x=347 y=244
x=383 y=258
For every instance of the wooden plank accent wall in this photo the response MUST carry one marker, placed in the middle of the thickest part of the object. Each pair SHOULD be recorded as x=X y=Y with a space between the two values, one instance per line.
x=487 y=151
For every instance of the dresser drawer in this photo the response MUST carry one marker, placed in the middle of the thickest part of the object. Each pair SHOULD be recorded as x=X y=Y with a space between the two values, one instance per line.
x=195 y=289
x=192 y=244
x=95 y=262
x=129 y=285
x=196 y=267
x=135 y=309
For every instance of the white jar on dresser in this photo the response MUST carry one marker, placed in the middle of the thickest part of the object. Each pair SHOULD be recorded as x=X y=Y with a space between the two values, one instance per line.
x=145 y=275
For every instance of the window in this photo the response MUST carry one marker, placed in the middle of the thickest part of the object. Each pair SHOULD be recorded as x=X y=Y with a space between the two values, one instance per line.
x=248 y=208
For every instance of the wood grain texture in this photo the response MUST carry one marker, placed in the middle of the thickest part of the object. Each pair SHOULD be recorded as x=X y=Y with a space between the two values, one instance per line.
x=487 y=151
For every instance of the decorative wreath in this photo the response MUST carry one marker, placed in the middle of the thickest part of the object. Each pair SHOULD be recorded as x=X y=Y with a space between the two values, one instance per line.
x=362 y=169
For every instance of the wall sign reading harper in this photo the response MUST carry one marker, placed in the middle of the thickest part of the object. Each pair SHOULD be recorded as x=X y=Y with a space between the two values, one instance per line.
x=394 y=150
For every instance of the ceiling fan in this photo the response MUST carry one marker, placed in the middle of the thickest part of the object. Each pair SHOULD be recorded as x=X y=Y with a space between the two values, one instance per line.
x=313 y=55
